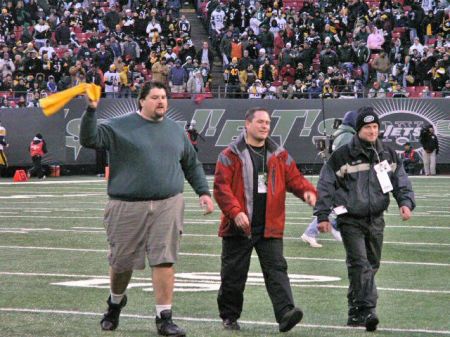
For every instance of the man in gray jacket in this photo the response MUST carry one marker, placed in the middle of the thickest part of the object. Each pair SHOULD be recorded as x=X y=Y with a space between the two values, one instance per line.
x=355 y=183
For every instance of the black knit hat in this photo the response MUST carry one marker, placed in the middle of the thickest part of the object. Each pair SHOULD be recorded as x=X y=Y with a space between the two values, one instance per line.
x=366 y=115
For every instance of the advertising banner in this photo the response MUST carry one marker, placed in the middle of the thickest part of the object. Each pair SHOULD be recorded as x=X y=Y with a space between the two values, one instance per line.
x=298 y=125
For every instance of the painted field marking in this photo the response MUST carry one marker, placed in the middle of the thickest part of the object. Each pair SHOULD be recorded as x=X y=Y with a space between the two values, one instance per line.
x=24 y=230
x=255 y=279
x=434 y=264
x=212 y=320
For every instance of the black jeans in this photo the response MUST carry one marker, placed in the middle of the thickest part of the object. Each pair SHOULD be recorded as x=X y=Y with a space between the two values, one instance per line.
x=37 y=167
x=363 y=245
x=236 y=254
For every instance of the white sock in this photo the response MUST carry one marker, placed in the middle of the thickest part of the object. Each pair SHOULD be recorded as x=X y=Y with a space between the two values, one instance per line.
x=116 y=299
x=163 y=307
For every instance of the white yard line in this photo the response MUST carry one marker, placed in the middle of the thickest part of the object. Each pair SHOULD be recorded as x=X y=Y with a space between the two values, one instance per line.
x=87 y=230
x=407 y=290
x=209 y=320
x=218 y=255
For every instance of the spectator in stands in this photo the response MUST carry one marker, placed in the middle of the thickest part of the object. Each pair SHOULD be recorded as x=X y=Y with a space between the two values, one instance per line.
x=314 y=91
x=267 y=71
x=177 y=78
x=231 y=77
x=160 y=71
x=285 y=90
x=362 y=60
x=266 y=39
x=130 y=49
x=288 y=73
x=256 y=90
x=184 y=26
x=41 y=33
x=382 y=65
x=205 y=55
x=112 y=82
x=51 y=84
x=438 y=75
x=247 y=77
x=32 y=63
x=346 y=56
x=327 y=90
x=225 y=47
x=399 y=92
x=411 y=159
x=375 y=40
x=376 y=91
x=446 y=90
x=195 y=84
x=328 y=58
x=7 y=66
x=189 y=66
x=426 y=93
x=416 y=46
x=62 y=34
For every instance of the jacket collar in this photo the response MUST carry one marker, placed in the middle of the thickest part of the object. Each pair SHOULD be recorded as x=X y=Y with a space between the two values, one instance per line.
x=357 y=147
x=240 y=145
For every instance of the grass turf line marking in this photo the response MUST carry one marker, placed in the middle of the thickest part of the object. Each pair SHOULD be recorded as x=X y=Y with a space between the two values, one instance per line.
x=218 y=255
x=148 y=279
x=195 y=319
x=26 y=230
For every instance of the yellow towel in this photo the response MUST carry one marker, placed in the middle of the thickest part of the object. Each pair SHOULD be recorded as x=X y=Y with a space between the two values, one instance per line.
x=52 y=104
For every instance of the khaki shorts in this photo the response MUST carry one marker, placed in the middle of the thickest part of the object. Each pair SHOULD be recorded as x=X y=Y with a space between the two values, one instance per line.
x=136 y=229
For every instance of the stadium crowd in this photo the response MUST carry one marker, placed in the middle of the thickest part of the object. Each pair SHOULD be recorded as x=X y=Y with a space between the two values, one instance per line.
x=268 y=49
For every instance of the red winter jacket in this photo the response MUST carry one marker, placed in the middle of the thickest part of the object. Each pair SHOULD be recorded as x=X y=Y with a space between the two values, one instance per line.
x=233 y=186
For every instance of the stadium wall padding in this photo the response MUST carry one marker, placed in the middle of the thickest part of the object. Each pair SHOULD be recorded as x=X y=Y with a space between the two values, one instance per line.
x=296 y=124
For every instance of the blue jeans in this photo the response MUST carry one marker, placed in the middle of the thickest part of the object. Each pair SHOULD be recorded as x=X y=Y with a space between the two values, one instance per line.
x=312 y=230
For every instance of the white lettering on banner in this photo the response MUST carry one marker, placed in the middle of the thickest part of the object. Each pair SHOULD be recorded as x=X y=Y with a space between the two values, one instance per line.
x=195 y=282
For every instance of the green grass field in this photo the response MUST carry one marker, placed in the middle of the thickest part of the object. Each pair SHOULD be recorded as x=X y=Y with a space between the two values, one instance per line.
x=53 y=269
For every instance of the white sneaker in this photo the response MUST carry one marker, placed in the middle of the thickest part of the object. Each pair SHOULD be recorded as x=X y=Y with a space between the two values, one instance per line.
x=336 y=234
x=311 y=241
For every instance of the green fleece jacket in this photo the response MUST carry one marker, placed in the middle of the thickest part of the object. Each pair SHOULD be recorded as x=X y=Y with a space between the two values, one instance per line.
x=147 y=160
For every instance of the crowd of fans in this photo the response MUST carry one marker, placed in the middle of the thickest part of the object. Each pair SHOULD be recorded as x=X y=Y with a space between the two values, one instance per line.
x=267 y=49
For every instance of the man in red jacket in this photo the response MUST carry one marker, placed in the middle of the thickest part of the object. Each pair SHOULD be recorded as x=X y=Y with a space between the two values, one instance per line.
x=251 y=179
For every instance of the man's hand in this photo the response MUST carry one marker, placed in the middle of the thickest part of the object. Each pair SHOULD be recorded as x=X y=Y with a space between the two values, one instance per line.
x=405 y=213
x=310 y=198
x=206 y=204
x=324 y=227
x=91 y=104
x=241 y=220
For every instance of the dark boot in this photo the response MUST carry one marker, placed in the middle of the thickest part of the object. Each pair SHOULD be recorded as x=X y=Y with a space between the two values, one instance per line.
x=166 y=327
x=110 y=320
x=355 y=317
x=290 y=319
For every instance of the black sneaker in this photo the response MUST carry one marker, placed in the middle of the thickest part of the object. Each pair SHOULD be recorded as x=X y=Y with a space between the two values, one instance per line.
x=110 y=320
x=290 y=319
x=230 y=324
x=166 y=327
x=371 y=321
x=355 y=318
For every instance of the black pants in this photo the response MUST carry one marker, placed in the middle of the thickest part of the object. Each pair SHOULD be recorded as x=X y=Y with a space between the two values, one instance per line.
x=363 y=245
x=236 y=254
x=37 y=167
